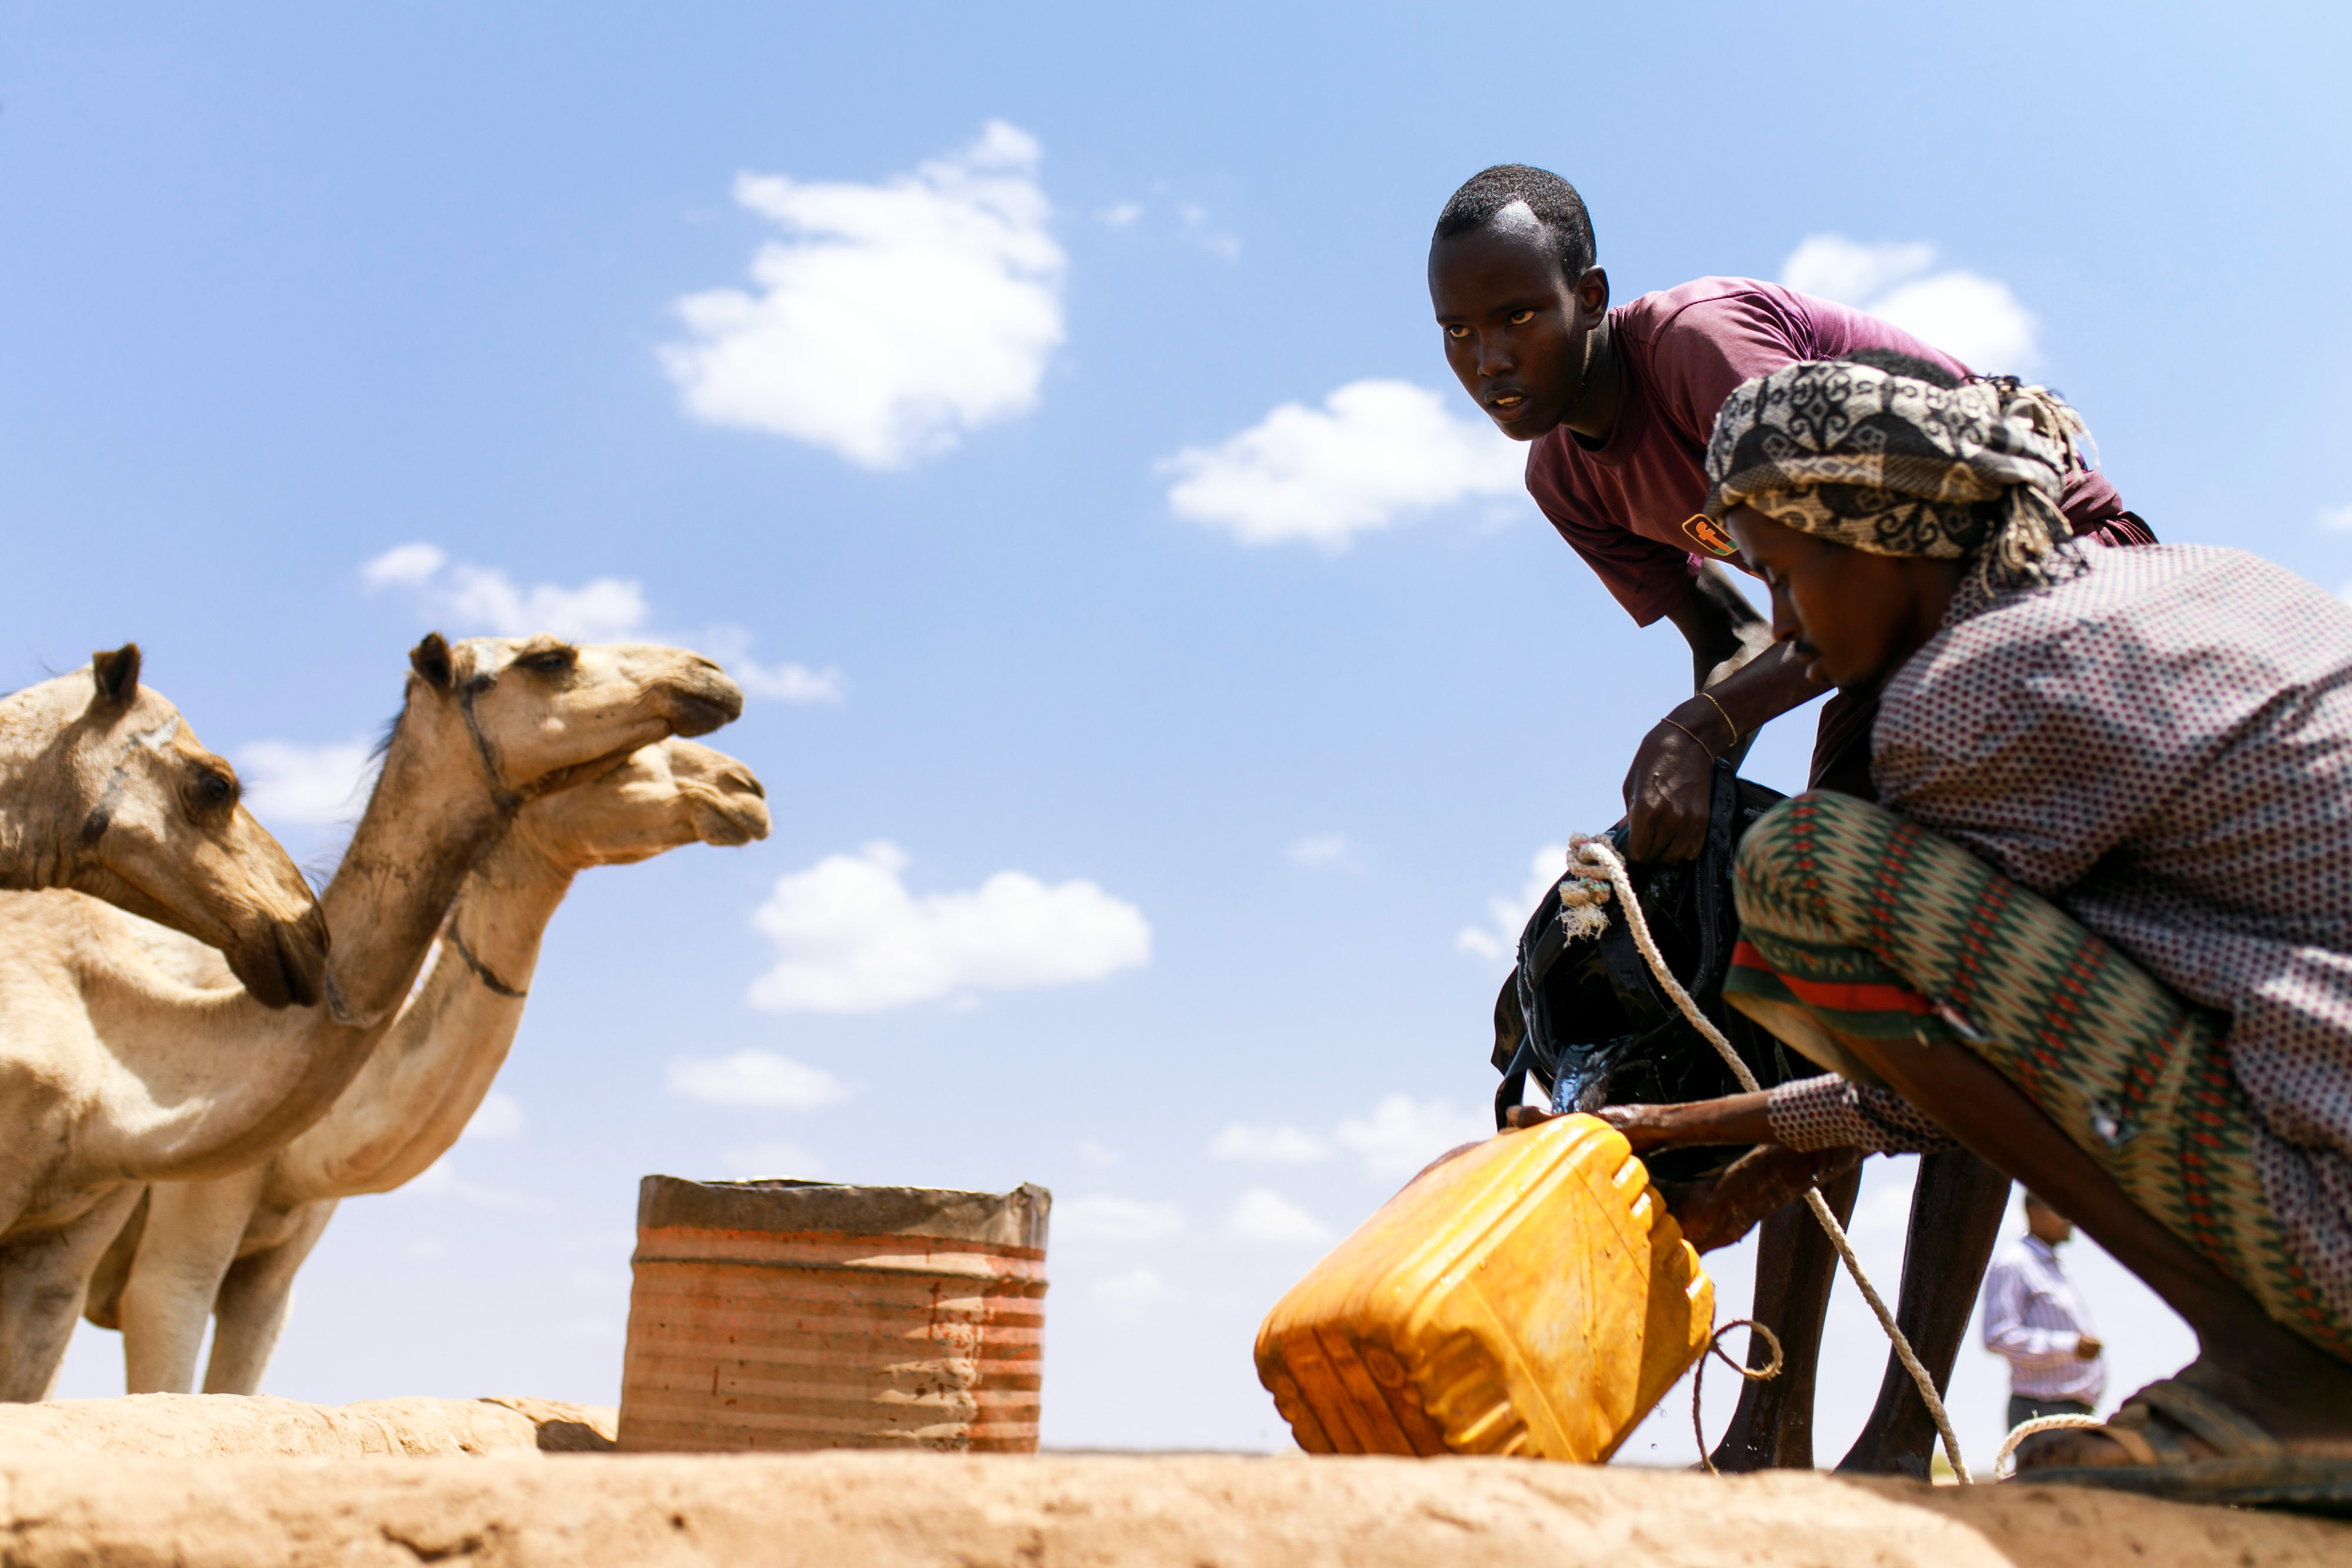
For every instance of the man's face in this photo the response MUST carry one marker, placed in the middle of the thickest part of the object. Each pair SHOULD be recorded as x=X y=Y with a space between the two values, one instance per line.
x=1857 y=616
x=2052 y=1226
x=1515 y=328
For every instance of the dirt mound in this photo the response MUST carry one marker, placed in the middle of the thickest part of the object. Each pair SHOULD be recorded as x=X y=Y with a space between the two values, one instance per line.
x=233 y=1426
x=927 y=1510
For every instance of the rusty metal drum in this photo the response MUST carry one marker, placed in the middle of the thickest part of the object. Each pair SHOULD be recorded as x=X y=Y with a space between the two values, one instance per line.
x=788 y=1314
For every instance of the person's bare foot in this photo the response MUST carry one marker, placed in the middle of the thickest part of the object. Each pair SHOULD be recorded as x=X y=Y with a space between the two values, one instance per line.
x=2302 y=1399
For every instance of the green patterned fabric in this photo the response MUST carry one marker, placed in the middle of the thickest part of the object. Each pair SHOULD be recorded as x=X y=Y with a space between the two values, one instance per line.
x=1858 y=922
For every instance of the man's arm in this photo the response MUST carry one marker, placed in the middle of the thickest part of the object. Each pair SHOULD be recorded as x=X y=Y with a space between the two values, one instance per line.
x=2005 y=1333
x=1749 y=679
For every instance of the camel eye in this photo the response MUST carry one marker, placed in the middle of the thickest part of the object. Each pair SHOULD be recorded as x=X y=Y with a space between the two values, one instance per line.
x=213 y=789
x=550 y=660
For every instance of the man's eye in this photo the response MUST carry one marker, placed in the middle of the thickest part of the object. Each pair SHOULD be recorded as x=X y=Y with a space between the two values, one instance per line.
x=1521 y=318
x=1458 y=333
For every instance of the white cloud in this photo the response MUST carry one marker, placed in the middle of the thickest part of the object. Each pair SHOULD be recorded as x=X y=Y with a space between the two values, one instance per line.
x=1835 y=267
x=852 y=938
x=486 y=601
x=2336 y=519
x=287 y=784
x=1197 y=229
x=1324 y=849
x=1498 y=941
x=1116 y=1219
x=754 y=1077
x=1972 y=318
x=1403 y=1134
x=1376 y=451
x=1264 y=1218
x=500 y=1115
x=1094 y=1152
x=788 y=682
x=471 y=601
x=404 y=566
x=892 y=317
x=1119 y=214
x=1282 y=1145
x=1128 y=1294
x=770 y=1159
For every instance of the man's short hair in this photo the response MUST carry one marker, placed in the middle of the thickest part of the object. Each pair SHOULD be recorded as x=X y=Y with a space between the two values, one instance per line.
x=2035 y=1200
x=1553 y=200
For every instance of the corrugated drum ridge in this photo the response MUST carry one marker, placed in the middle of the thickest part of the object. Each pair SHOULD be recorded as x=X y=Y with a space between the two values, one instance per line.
x=872 y=1334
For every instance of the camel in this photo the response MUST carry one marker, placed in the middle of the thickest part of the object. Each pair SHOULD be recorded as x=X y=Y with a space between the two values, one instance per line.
x=115 y=1073
x=230 y=1246
x=105 y=790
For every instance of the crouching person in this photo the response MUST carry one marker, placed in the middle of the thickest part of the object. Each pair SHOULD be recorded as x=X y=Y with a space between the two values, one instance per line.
x=2099 y=930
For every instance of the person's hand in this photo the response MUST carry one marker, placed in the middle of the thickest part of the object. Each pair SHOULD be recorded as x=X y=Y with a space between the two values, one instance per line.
x=1669 y=792
x=2086 y=1348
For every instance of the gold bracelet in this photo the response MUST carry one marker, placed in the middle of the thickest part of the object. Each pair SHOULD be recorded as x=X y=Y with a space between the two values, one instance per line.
x=1695 y=739
x=1725 y=712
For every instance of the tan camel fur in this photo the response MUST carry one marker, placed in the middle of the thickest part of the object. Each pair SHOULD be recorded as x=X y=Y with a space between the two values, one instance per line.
x=230 y=1246
x=114 y=1072
x=105 y=790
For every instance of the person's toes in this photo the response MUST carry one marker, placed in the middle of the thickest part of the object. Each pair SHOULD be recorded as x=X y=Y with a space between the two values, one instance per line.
x=2068 y=1448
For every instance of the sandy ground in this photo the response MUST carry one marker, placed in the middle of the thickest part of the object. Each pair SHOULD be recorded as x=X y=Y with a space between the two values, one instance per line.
x=507 y=1501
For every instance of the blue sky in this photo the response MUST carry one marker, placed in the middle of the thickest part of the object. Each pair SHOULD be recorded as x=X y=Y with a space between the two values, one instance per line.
x=1141 y=752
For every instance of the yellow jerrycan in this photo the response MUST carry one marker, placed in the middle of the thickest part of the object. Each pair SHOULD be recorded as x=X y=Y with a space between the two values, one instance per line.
x=1529 y=1295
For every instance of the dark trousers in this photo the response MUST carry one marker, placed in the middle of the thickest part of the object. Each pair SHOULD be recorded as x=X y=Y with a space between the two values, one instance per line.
x=2024 y=1407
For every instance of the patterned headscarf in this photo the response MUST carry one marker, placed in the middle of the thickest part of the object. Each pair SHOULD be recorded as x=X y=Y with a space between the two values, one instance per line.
x=1895 y=466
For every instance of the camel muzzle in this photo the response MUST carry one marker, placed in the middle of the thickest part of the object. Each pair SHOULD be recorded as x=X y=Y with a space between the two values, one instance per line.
x=714 y=702
x=283 y=963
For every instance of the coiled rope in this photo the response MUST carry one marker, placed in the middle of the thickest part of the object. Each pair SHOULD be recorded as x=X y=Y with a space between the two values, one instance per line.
x=2024 y=1429
x=1597 y=854
x=1753 y=1375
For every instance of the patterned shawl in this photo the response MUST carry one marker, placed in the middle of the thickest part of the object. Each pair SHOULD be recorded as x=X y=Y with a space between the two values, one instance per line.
x=1886 y=464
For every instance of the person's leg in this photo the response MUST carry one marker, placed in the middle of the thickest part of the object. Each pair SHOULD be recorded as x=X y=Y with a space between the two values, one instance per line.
x=2246 y=1359
x=1875 y=945
x=1772 y=1428
x=1957 y=1202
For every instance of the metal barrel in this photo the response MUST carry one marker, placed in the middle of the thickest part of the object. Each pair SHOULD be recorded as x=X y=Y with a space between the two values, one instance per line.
x=787 y=1315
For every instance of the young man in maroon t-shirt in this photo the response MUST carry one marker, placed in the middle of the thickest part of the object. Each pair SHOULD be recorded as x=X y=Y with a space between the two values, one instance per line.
x=1618 y=405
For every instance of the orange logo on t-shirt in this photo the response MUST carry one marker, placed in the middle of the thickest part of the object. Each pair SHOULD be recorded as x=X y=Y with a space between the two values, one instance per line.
x=1710 y=535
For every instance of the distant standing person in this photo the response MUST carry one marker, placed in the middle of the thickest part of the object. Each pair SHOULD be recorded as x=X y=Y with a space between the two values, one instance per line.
x=2035 y=1321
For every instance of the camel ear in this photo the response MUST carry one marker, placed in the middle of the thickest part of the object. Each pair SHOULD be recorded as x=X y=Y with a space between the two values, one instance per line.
x=117 y=674
x=430 y=659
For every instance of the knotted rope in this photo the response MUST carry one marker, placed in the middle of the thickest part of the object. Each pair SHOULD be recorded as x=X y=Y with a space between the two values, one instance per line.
x=1596 y=853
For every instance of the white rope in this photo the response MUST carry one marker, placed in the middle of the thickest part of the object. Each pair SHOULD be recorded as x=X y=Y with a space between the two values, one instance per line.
x=1595 y=852
x=2024 y=1429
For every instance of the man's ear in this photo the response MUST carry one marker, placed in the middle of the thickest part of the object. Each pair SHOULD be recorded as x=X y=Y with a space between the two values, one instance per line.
x=1592 y=291
x=430 y=659
x=116 y=674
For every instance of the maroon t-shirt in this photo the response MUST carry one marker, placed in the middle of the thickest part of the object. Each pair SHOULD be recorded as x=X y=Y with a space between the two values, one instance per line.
x=1624 y=503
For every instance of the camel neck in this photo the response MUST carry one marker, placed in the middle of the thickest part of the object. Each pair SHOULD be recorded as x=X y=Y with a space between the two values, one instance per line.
x=428 y=1077
x=425 y=825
